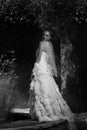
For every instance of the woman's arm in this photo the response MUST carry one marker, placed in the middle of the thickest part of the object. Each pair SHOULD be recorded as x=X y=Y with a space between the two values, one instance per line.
x=39 y=51
x=52 y=59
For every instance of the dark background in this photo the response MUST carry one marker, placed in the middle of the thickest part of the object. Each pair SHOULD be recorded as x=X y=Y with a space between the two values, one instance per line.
x=81 y=51
x=24 y=38
x=78 y=100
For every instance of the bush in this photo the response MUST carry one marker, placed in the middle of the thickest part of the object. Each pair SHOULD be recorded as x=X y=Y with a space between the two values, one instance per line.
x=8 y=82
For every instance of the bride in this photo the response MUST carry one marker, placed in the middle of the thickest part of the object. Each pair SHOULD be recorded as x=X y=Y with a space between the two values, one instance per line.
x=46 y=102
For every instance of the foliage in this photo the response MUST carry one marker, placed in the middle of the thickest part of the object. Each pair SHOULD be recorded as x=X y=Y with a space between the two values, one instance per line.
x=59 y=16
x=8 y=83
x=7 y=63
x=56 y=15
x=68 y=68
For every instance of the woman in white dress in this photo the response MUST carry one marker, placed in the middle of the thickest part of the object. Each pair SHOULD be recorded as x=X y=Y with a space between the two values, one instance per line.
x=46 y=102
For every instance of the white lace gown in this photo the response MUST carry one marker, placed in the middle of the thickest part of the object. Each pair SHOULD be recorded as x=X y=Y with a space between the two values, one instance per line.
x=46 y=102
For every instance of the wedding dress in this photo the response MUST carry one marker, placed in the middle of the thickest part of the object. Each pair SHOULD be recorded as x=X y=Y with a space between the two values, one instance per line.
x=46 y=102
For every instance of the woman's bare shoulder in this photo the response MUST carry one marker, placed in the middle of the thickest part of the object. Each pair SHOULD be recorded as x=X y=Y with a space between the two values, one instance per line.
x=45 y=44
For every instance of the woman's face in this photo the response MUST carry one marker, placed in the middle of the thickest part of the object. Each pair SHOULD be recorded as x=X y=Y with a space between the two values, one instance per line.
x=46 y=36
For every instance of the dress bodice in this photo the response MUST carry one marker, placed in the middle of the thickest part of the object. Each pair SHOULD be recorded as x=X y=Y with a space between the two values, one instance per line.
x=44 y=57
x=43 y=67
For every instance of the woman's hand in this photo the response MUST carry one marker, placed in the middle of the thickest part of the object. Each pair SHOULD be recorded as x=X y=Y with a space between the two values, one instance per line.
x=54 y=72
